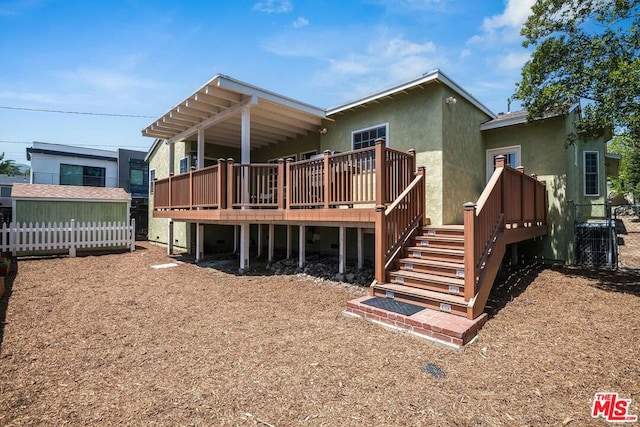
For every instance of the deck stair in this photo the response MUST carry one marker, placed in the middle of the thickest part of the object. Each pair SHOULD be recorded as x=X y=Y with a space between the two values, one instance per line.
x=450 y=270
x=431 y=272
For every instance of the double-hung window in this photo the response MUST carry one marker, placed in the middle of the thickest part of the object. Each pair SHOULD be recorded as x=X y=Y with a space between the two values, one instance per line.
x=591 y=173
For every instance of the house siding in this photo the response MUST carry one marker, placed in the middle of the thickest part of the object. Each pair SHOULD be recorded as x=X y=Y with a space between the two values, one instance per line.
x=462 y=149
x=415 y=121
x=63 y=211
x=158 y=227
x=548 y=152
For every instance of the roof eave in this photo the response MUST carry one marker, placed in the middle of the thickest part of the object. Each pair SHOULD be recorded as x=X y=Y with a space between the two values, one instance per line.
x=432 y=76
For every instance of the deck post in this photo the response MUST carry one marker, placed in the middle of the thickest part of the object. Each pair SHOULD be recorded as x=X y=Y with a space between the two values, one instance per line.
x=230 y=183
x=199 y=241
x=271 y=243
x=244 y=247
x=281 y=183
x=341 y=250
x=288 y=195
x=169 y=236
x=422 y=203
x=412 y=153
x=220 y=184
x=500 y=161
x=302 y=242
x=236 y=233
x=259 y=240
x=381 y=244
x=170 y=192
x=381 y=169
x=522 y=213
x=191 y=169
x=327 y=179
x=172 y=157
x=289 y=241
x=469 y=251
x=360 y=249
x=245 y=155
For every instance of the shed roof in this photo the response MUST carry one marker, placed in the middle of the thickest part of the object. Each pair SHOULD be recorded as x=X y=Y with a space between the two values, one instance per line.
x=68 y=192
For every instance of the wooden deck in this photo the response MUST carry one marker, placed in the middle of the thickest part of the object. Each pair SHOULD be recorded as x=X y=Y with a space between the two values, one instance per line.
x=451 y=268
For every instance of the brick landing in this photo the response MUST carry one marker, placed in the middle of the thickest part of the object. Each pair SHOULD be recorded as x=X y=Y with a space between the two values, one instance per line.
x=442 y=328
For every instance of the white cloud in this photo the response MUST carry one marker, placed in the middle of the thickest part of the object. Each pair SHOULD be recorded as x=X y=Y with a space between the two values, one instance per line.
x=300 y=22
x=108 y=80
x=273 y=6
x=514 y=15
x=513 y=60
x=505 y=27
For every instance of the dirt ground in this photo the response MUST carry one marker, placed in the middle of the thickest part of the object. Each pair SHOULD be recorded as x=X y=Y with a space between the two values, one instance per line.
x=107 y=340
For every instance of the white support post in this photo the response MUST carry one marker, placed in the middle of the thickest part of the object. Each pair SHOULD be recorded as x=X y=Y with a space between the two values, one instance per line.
x=302 y=242
x=200 y=152
x=271 y=242
x=236 y=232
x=169 y=237
x=245 y=152
x=259 y=240
x=289 y=230
x=341 y=250
x=172 y=157
x=199 y=241
x=244 y=247
x=360 y=249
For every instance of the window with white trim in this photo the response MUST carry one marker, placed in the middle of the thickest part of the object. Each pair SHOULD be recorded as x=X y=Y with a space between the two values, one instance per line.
x=184 y=164
x=152 y=179
x=364 y=138
x=591 y=173
x=512 y=156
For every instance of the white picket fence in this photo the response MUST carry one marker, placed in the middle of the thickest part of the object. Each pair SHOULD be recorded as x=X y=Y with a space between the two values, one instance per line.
x=68 y=236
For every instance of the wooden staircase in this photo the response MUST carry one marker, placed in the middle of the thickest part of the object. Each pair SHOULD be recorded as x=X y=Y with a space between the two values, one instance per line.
x=430 y=272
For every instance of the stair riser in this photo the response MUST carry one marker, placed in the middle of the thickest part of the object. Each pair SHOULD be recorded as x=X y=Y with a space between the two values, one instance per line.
x=429 y=269
x=443 y=233
x=459 y=259
x=431 y=286
x=427 y=243
x=424 y=302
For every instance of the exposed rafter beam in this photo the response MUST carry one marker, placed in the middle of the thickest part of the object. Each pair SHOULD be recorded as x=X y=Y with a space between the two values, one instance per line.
x=224 y=115
x=193 y=112
x=224 y=94
x=212 y=100
x=197 y=105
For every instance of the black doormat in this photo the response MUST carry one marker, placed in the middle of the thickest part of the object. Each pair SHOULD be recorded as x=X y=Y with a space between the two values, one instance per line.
x=393 y=305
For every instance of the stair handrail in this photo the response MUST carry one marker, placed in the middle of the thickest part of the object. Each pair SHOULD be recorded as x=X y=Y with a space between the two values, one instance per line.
x=503 y=201
x=394 y=227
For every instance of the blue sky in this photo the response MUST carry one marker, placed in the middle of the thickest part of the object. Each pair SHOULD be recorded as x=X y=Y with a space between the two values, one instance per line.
x=141 y=58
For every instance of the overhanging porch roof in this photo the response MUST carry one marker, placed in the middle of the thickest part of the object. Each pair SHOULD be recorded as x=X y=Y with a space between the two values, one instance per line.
x=216 y=108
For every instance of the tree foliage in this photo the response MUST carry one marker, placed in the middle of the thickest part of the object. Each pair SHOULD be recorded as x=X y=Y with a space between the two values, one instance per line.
x=628 y=182
x=584 y=50
x=8 y=167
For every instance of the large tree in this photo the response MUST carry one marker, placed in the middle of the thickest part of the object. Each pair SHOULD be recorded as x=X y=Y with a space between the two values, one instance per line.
x=584 y=50
x=8 y=166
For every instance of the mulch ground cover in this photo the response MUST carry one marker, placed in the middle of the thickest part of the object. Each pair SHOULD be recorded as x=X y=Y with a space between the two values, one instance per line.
x=107 y=340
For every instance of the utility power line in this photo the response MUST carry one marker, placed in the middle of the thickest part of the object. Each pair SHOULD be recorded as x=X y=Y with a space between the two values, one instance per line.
x=41 y=110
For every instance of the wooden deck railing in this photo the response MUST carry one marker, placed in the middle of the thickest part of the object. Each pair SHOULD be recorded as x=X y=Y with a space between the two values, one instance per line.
x=254 y=185
x=396 y=223
x=511 y=200
x=375 y=176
